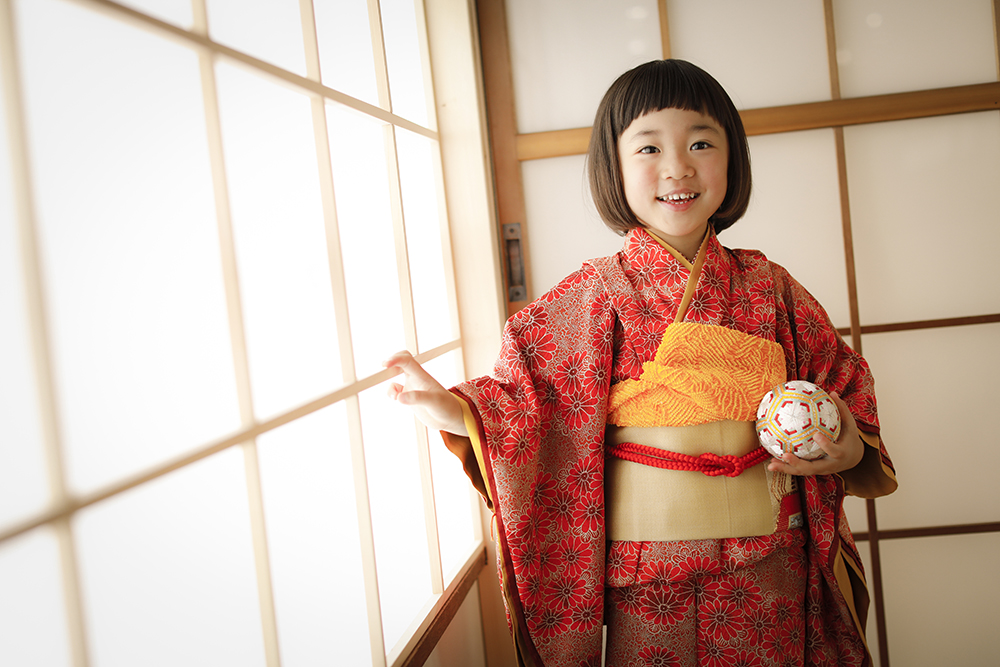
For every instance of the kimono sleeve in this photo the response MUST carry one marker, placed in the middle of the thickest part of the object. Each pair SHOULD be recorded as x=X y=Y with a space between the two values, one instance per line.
x=816 y=352
x=536 y=429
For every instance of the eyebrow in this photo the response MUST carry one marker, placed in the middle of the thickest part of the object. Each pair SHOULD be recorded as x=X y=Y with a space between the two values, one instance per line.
x=704 y=128
x=692 y=129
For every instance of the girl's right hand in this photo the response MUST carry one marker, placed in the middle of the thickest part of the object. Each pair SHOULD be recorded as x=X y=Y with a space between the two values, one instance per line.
x=432 y=404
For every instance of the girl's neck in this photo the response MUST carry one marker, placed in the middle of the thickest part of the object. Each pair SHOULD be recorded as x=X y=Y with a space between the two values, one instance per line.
x=687 y=247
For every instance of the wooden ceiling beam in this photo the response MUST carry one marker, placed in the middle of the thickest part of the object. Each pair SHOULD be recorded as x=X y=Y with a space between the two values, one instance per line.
x=810 y=116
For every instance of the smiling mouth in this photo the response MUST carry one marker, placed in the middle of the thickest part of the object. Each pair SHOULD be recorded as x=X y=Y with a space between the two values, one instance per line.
x=679 y=198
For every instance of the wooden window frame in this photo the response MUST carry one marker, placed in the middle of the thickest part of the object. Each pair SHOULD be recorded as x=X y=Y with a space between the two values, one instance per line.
x=453 y=50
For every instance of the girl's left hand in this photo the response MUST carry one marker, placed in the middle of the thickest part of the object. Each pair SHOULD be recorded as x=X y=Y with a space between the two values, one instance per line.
x=841 y=455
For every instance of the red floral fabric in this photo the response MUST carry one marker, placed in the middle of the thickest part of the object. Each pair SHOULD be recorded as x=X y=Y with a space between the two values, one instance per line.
x=742 y=601
x=541 y=418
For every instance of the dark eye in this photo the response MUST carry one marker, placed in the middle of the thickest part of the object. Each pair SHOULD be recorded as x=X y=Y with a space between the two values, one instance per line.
x=700 y=145
x=649 y=149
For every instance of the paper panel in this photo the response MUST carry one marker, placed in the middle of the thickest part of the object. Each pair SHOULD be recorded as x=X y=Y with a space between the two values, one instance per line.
x=280 y=238
x=358 y=150
x=128 y=242
x=936 y=423
x=24 y=488
x=267 y=29
x=893 y=46
x=565 y=53
x=924 y=208
x=764 y=53
x=345 y=48
x=177 y=12
x=940 y=599
x=794 y=215
x=313 y=542
x=421 y=189
x=409 y=74
x=167 y=571
x=563 y=227
x=397 y=510
x=33 y=630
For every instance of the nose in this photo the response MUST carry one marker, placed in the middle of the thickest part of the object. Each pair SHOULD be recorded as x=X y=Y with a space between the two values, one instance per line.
x=675 y=165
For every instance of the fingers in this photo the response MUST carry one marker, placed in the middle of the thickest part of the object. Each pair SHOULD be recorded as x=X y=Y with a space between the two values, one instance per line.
x=431 y=403
x=426 y=400
x=416 y=376
x=843 y=454
x=437 y=409
x=790 y=464
x=848 y=426
x=400 y=361
x=839 y=456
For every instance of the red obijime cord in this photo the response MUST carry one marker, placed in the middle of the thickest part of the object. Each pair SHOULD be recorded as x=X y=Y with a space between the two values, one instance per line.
x=709 y=464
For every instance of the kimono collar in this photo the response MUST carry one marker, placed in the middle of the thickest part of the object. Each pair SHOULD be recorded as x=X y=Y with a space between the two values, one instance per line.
x=640 y=243
x=700 y=253
x=663 y=276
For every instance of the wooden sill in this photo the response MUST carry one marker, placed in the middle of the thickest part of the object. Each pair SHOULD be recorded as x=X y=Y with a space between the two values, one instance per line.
x=415 y=651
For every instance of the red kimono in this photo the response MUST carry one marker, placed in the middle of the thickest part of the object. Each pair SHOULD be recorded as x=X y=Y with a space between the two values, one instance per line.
x=538 y=426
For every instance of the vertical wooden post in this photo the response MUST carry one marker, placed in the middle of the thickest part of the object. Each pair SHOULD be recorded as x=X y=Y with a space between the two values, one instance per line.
x=498 y=80
x=852 y=294
x=237 y=336
x=26 y=226
x=661 y=5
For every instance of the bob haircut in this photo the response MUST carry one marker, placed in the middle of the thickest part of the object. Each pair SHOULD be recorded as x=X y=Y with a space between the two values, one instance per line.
x=663 y=84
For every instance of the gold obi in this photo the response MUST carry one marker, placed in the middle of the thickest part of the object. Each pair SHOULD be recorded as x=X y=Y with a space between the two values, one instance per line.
x=645 y=503
x=698 y=395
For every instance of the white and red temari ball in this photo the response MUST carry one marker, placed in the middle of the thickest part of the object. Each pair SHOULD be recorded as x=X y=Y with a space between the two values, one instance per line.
x=791 y=414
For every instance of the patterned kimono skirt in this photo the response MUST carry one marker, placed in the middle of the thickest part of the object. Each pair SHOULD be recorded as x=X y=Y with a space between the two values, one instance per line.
x=729 y=603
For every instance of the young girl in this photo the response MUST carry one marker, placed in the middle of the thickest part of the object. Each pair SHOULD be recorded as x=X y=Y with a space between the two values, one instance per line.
x=615 y=441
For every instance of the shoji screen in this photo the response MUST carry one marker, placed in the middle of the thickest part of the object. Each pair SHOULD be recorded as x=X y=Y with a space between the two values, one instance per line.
x=923 y=257
x=890 y=216
x=559 y=77
x=216 y=219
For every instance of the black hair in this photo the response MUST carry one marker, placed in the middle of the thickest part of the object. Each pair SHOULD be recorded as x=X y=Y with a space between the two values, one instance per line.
x=663 y=84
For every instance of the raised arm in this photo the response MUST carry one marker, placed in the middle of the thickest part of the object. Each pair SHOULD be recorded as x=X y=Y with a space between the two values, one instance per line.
x=432 y=404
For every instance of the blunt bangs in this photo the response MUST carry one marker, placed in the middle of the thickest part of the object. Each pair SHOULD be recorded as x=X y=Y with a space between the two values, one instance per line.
x=663 y=84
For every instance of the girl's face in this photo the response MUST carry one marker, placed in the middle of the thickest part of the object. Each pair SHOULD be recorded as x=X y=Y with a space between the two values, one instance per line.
x=674 y=165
